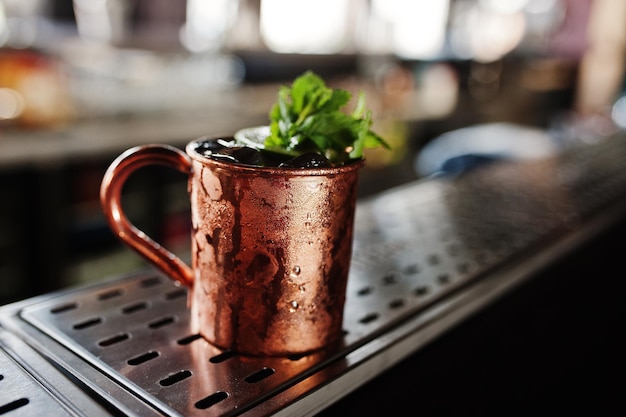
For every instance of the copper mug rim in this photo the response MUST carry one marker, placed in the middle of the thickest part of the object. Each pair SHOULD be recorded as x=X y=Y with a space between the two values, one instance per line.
x=258 y=170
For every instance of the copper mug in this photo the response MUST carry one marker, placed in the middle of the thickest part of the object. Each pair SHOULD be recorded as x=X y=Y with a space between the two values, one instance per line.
x=271 y=248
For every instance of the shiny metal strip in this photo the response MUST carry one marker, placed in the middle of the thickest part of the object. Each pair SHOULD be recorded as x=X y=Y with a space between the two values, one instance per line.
x=21 y=392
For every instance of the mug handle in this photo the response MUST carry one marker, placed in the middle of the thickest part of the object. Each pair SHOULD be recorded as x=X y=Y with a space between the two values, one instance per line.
x=110 y=199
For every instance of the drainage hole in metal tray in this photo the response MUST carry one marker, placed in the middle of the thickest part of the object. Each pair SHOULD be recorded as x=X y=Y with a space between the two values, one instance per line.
x=188 y=339
x=369 y=318
x=110 y=294
x=211 y=400
x=114 y=340
x=87 y=323
x=1 y=377
x=150 y=282
x=63 y=308
x=143 y=358
x=178 y=293
x=390 y=279
x=454 y=249
x=365 y=291
x=421 y=291
x=443 y=279
x=14 y=405
x=433 y=259
x=174 y=378
x=411 y=269
x=396 y=304
x=222 y=356
x=133 y=308
x=259 y=375
x=464 y=267
x=164 y=321
x=298 y=356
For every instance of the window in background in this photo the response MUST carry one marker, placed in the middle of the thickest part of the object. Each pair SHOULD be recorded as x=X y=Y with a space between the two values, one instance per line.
x=299 y=26
x=416 y=29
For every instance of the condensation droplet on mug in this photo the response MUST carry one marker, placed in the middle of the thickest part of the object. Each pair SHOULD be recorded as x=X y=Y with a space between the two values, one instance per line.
x=293 y=306
x=313 y=186
x=295 y=271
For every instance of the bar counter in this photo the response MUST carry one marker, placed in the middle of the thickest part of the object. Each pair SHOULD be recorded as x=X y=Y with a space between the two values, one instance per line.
x=495 y=292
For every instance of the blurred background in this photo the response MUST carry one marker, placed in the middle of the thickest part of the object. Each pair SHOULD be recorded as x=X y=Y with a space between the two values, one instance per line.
x=83 y=80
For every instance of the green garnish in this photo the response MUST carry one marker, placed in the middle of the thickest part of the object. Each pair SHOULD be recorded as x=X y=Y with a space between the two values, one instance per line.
x=308 y=117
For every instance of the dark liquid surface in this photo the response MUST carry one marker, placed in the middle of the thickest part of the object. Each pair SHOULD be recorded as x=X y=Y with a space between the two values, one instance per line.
x=228 y=150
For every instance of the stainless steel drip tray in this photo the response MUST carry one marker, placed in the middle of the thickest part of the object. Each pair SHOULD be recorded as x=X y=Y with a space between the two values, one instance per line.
x=30 y=385
x=128 y=343
x=426 y=257
x=22 y=393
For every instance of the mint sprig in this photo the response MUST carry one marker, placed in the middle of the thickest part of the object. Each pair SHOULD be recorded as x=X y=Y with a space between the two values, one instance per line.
x=308 y=117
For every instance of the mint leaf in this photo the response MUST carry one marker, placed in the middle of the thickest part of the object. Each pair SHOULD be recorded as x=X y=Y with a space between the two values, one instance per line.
x=308 y=117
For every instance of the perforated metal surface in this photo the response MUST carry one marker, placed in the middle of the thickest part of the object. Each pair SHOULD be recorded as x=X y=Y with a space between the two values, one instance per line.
x=426 y=255
x=21 y=394
x=24 y=391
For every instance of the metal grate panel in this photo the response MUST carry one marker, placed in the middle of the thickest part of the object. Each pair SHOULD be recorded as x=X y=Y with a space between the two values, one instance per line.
x=22 y=392
x=428 y=252
x=22 y=395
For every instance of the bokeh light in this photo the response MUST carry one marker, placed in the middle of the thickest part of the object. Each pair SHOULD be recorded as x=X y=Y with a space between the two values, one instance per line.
x=11 y=104
x=300 y=26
